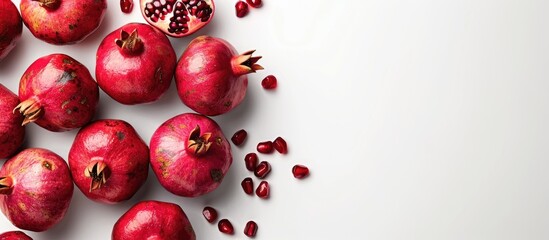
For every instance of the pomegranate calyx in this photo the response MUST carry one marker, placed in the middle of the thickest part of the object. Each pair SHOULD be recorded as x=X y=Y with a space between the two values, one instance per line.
x=49 y=4
x=199 y=144
x=130 y=43
x=99 y=172
x=245 y=63
x=6 y=185
x=30 y=109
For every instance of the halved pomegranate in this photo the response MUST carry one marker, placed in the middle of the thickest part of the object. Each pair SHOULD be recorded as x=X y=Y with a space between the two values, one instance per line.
x=178 y=18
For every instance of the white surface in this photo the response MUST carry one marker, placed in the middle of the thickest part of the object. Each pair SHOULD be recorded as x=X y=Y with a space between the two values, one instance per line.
x=419 y=120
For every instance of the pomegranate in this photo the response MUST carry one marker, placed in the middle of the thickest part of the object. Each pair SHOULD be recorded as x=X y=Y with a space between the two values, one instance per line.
x=62 y=21
x=11 y=27
x=225 y=226
x=135 y=64
x=190 y=155
x=241 y=9
x=153 y=220
x=109 y=162
x=14 y=235
x=35 y=189
x=12 y=133
x=58 y=93
x=251 y=229
x=210 y=214
x=211 y=77
x=178 y=18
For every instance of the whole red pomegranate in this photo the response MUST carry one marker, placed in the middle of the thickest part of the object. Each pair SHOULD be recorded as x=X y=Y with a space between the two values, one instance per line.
x=109 y=162
x=211 y=76
x=62 y=21
x=12 y=133
x=135 y=64
x=35 y=189
x=153 y=220
x=14 y=235
x=58 y=93
x=190 y=155
x=10 y=27
x=178 y=18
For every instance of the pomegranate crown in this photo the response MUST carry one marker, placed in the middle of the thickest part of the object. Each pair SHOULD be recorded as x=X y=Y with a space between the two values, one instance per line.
x=30 y=109
x=198 y=144
x=98 y=171
x=49 y=4
x=245 y=63
x=129 y=43
x=6 y=185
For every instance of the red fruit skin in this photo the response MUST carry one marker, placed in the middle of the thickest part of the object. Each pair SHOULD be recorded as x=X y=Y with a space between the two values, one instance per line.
x=12 y=133
x=139 y=77
x=11 y=27
x=185 y=174
x=69 y=23
x=207 y=82
x=14 y=235
x=153 y=220
x=117 y=144
x=64 y=88
x=42 y=189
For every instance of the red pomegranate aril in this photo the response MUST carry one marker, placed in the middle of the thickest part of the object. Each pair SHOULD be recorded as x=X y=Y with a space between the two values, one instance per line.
x=241 y=9
x=210 y=214
x=248 y=185
x=254 y=3
x=269 y=82
x=262 y=169
x=251 y=160
x=126 y=6
x=300 y=171
x=265 y=147
x=263 y=190
x=251 y=229
x=225 y=226
x=280 y=145
x=239 y=137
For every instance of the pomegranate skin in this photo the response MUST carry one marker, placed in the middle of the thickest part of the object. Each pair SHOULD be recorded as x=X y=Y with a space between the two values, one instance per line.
x=62 y=89
x=41 y=189
x=136 y=69
x=62 y=22
x=116 y=144
x=12 y=133
x=211 y=77
x=14 y=235
x=153 y=220
x=11 y=27
x=179 y=169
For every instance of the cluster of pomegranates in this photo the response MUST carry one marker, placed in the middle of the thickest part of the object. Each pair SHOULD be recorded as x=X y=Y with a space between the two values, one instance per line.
x=108 y=160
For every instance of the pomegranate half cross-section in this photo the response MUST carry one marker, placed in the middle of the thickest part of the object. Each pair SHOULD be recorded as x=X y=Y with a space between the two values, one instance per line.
x=178 y=18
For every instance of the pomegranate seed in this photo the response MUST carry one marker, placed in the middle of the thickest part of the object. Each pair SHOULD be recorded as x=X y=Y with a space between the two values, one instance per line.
x=262 y=169
x=225 y=226
x=248 y=185
x=239 y=137
x=210 y=214
x=265 y=147
x=262 y=190
x=269 y=82
x=251 y=229
x=254 y=3
x=126 y=6
x=300 y=171
x=241 y=9
x=251 y=161
x=280 y=145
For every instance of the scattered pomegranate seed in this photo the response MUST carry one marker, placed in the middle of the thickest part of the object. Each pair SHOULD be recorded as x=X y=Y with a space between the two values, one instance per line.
x=254 y=3
x=262 y=169
x=251 y=229
x=251 y=161
x=265 y=147
x=126 y=6
x=263 y=190
x=269 y=82
x=210 y=214
x=248 y=185
x=300 y=171
x=280 y=145
x=225 y=226
x=239 y=137
x=241 y=9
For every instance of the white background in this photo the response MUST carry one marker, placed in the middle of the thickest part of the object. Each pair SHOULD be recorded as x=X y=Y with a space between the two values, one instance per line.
x=420 y=119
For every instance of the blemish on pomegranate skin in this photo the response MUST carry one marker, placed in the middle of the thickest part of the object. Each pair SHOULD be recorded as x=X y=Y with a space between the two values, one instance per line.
x=47 y=165
x=120 y=135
